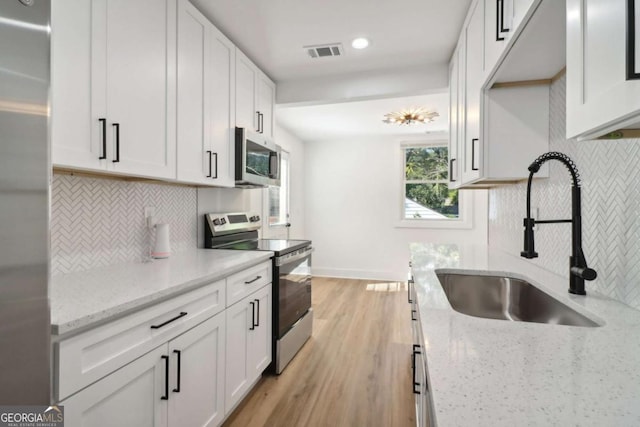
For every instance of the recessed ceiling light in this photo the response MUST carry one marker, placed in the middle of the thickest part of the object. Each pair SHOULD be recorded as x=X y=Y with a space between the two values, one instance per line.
x=360 y=43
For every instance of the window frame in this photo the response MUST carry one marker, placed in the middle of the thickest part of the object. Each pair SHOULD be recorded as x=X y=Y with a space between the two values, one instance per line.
x=465 y=198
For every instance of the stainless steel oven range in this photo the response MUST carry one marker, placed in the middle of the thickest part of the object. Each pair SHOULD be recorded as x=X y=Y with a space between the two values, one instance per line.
x=292 y=312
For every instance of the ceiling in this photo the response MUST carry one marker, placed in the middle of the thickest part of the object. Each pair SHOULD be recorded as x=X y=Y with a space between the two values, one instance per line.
x=404 y=35
x=363 y=118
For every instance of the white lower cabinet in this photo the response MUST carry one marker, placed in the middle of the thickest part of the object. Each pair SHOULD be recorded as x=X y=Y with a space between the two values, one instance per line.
x=248 y=343
x=131 y=396
x=184 y=362
x=180 y=383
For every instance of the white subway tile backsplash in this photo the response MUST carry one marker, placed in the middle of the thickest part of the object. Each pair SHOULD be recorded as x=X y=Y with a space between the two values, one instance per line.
x=610 y=209
x=97 y=222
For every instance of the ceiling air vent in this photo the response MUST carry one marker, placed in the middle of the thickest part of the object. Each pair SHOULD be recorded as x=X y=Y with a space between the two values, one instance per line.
x=325 y=50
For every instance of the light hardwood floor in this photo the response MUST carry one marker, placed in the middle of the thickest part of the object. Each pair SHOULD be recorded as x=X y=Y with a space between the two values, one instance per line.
x=355 y=369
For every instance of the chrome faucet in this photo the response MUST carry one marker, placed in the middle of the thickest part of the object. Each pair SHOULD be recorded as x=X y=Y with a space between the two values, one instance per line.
x=578 y=269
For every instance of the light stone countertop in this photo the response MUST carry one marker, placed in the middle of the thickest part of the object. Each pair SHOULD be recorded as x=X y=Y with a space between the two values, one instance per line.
x=486 y=372
x=89 y=298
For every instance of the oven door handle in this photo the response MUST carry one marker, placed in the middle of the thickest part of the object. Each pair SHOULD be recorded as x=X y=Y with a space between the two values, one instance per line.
x=287 y=259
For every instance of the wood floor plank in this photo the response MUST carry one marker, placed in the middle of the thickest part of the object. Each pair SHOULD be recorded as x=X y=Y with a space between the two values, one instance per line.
x=354 y=370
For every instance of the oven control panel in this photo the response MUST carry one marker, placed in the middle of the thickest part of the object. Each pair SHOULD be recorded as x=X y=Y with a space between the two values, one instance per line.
x=228 y=223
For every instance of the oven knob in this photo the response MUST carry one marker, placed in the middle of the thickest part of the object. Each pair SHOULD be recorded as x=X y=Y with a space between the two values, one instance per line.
x=223 y=221
x=254 y=218
x=216 y=221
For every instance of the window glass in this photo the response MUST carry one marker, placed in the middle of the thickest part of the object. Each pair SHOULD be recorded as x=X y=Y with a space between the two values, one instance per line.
x=426 y=192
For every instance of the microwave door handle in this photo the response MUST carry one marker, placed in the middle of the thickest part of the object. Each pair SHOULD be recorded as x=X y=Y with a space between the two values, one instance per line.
x=274 y=165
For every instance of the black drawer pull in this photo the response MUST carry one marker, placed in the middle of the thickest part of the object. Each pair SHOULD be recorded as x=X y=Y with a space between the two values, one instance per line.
x=473 y=154
x=258 y=315
x=253 y=315
x=409 y=283
x=251 y=281
x=117 y=126
x=416 y=351
x=412 y=315
x=216 y=175
x=177 y=389
x=104 y=138
x=166 y=378
x=182 y=314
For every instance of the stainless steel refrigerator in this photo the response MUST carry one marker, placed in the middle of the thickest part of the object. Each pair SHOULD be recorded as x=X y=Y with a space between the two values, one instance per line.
x=25 y=172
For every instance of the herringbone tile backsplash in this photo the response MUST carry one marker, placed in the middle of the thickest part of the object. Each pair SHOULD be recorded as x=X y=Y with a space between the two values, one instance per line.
x=98 y=222
x=610 y=209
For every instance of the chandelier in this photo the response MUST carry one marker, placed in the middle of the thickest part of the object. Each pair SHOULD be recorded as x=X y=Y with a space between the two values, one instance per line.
x=411 y=116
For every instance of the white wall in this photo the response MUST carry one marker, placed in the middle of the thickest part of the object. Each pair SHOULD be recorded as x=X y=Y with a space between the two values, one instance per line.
x=352 y=208
x=253 y=200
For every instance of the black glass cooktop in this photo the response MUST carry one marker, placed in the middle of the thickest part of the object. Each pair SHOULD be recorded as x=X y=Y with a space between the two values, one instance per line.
x=278 y=246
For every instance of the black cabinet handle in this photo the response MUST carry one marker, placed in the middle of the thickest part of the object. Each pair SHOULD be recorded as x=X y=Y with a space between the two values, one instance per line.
x=258 y=315
x=416 y=351
x=412 y=315
x=253 y=315
x=409 y=283
x=451 y=170
x=473 y=154
x=103 y=121
x=117 y=127
x=253 y=280
x=166 y=378
x=258 y=117
x=182 y=314
x=500 y=21
x=177 y=389
x=209 y=154
x=261 y=122
x=216 y=175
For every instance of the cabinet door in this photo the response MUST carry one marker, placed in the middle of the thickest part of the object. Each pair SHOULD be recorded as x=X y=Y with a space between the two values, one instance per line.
x=266 y=101
x=599 y=95
x=260 y=337
x=246 y=79
x=194 y=84
x=454 y=119
x=197 y=395
x=238 y=378
x=131 y=396
x=222 y=80
x=134 y=55
x=75 y=133
x=474 y=77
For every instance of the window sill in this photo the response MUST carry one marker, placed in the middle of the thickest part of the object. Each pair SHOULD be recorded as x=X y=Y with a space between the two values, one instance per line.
x=456 y=224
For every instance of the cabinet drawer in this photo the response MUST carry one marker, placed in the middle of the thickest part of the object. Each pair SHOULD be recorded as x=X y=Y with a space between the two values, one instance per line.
x=244 y=283
x=89 y=356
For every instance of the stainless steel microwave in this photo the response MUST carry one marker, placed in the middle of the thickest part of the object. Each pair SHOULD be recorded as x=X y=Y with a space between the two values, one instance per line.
x=257 y=160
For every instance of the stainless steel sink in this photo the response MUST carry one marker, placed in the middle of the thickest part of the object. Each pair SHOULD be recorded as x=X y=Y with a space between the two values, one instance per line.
x=505 y=298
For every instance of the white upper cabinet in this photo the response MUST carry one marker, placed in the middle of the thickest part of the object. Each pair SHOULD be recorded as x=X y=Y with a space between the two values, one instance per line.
x=255 y=97
x=205 y=100
x=113 y=110
x=456 y=117
x=474 y=78
x=603 y=67
x=499 y=102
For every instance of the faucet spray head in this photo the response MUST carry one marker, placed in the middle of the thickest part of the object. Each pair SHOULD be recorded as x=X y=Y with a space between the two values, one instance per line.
x=529 y=251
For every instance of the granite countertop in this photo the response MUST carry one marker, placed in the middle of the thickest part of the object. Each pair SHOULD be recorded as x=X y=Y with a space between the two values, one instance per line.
x=86 y=299
x=486 y=372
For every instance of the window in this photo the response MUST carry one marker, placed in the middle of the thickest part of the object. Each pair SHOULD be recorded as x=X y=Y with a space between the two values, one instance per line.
x=279 y=196
x=426 y=177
